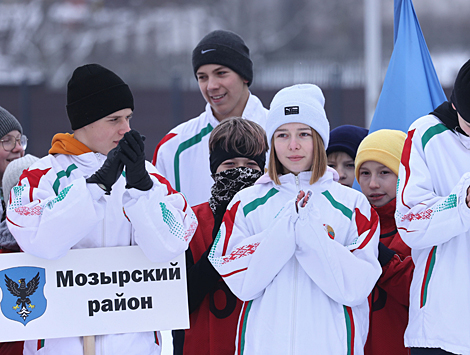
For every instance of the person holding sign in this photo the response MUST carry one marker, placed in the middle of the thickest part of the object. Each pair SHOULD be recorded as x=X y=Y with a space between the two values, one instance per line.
x=95 y=189
x=297 y=247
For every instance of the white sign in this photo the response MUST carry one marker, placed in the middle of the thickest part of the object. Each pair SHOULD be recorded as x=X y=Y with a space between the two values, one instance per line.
x=90 y=292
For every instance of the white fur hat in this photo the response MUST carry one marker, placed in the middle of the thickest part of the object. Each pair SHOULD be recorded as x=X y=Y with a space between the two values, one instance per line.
x=12 y=173
x=302 y=103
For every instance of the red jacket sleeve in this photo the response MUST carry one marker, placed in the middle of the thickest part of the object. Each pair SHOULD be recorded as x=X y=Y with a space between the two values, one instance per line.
x=397 y=272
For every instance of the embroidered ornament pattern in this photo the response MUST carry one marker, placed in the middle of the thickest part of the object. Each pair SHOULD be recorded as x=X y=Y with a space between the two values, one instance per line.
x=449 y=202
x=37 y=210
x=192 y=228
x=26 y=211
x=240 y=252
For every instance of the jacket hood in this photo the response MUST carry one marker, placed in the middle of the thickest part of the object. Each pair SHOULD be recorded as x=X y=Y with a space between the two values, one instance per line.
x=448 y=115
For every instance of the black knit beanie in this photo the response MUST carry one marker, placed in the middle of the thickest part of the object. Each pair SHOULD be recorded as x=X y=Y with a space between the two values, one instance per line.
x=461 y=94
x=8 y=123
x=95 y=92
x=225 y=48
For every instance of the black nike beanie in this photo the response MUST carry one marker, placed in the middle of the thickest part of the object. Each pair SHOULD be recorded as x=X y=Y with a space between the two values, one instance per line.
x=225 y=48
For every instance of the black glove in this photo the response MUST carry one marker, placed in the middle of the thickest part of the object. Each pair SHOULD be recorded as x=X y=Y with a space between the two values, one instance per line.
x=133 y=157
x=108 y=174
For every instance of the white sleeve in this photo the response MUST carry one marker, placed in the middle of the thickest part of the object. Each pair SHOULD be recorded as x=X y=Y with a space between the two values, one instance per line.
x=249 y=262
x=160 y=164
x=423 y=218
x=346 y=273
x=163 y=222
x=47 y=223
x=165 y=159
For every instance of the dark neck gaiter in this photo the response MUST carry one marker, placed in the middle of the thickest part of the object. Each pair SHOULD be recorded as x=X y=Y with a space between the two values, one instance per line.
x=227 y=184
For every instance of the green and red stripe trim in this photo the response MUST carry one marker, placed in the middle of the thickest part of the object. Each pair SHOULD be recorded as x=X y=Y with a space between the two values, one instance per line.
x=427 y=275
x=242 y=327
x=431 y=132
x=163 y=141
x=229 y=221
x=363 y=224
x=234 y=272
x=405 y=160
x=185 y=145
x=350 y=329
x=155 y=334
x=9 y=220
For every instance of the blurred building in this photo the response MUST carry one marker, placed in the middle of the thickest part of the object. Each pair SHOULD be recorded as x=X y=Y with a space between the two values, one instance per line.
x=149 y=44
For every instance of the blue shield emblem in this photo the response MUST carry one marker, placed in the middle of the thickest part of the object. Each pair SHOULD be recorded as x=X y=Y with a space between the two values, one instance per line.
x=23 y=293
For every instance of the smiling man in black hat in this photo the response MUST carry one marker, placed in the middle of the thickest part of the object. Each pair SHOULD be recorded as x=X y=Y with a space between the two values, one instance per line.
x=224 y=71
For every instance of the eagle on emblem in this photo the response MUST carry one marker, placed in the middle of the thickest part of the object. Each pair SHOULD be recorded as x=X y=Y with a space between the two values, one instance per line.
x=23 y=291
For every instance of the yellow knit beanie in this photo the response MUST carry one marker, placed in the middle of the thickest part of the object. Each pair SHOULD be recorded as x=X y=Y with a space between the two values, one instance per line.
x=383 y=146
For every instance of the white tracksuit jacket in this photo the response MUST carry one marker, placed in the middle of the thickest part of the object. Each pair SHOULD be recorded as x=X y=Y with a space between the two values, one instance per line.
x=182 y=156
x=305 y=277
x=54 y=210
x=434 y=220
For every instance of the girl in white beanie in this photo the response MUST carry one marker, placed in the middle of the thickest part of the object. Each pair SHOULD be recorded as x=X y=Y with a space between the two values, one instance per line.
x=297 y=247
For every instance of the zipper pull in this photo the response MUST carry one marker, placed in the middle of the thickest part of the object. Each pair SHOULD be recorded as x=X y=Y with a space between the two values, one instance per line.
x=297 y=183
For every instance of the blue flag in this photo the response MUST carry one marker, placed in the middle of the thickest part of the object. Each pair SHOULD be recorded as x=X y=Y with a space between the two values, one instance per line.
x=411 y=87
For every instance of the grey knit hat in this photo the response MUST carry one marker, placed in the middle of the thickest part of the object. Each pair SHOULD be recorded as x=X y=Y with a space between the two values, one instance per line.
x=13 y=171
x=8 y=123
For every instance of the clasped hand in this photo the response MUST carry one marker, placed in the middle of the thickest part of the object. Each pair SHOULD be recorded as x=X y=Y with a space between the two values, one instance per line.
x=467 y=199
x=302 y=199
x=129 y=154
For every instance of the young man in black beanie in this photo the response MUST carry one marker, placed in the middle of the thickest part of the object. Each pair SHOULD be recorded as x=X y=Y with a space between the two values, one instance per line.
x=433 y=218
x=77 y=197
x=224 y=71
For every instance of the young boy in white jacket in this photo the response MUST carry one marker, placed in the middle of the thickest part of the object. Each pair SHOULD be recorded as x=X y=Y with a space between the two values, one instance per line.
x=77 y=197
x=297 y=247
x=433 y=218
x=224 y=71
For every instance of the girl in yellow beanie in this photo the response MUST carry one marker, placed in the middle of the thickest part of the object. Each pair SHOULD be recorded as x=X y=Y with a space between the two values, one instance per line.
x=376 y=167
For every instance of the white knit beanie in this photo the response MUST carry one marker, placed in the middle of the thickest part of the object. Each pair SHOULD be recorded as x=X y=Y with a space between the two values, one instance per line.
x=12 y=173
x=302 y=103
